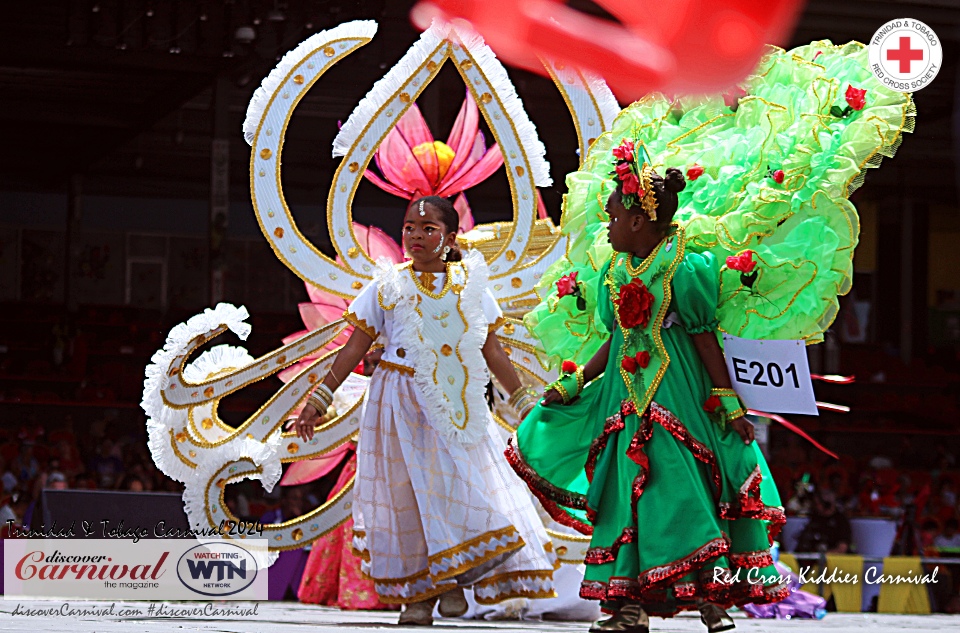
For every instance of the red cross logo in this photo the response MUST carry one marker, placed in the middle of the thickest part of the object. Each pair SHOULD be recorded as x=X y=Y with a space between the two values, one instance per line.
x=905 y=54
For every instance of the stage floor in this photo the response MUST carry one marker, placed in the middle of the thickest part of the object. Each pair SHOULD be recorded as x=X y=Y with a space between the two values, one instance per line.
x=290 y=617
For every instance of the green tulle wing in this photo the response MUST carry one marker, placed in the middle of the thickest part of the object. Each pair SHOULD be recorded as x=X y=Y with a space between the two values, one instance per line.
x=803 y=230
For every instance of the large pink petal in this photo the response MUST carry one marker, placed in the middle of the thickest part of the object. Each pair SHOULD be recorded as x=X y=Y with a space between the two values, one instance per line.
x=414 y=127
x=541 y=207
x=490 y=162
x=464 y=133
x=465 y=213
x=305 y=471
x=377 y=244
x=386 y=186
x=399 y=165
x=415 y=131
x=321 y=296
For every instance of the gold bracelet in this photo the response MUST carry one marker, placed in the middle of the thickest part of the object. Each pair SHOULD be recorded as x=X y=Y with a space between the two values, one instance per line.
x=528 y=399
x=579 y=380
x=516 y=395
x=562 y=391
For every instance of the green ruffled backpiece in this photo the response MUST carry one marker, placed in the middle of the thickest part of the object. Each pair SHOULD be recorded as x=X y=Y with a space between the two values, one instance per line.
x=790 y=115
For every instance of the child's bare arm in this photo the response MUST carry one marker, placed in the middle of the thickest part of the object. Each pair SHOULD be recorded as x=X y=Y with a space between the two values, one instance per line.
x=712 y=356
x=499 y=363
x=350 y=355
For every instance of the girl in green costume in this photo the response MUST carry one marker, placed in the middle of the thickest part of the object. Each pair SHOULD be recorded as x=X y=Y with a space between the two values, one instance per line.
x=673 y=497
x=642 y=442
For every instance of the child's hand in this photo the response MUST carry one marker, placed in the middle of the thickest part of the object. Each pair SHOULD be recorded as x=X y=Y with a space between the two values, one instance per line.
x=306 y=423
x=743 y=428
x=551 y=396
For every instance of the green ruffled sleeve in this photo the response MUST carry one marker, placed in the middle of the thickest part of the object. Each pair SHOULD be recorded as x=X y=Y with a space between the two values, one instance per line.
x=696 y=292
x=604 y=304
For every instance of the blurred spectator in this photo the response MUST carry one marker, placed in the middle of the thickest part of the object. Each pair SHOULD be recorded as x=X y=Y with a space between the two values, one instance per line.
x=948 y=496
x=879 y=462
x=929 y=529
x=14 y=506
x=827 y=528
x=132 y=483
x=949 y=539
x=55 y=480
x=801 y=503
x=70 y=462
x=8 y=480
x=25 y=466
x=105 y=465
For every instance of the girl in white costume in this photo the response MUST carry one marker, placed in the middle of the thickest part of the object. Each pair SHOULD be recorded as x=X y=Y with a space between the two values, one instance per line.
x=436 y=506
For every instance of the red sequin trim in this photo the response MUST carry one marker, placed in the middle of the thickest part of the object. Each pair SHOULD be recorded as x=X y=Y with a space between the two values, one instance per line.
x=623 y=588
x=603 y=555
x=614 y=424
x=551 y=497
x=750 y=506
x=593 y=590
x=751 y=559
x=669 y=574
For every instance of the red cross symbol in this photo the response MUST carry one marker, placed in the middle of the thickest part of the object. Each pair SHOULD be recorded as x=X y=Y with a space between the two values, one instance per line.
x=905 y=54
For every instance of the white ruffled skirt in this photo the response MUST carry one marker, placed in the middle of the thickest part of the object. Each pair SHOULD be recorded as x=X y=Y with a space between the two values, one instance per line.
x=431 y=513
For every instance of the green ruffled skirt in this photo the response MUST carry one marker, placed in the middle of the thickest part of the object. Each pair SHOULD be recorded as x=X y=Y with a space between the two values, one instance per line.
x=678 y=508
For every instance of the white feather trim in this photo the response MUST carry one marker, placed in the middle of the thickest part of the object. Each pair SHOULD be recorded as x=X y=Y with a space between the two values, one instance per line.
x=364 y=29
x=496 y=74
x=609 y=108
x=216 y=360
x=384 y=89
x=201 y=487
x=161 y=418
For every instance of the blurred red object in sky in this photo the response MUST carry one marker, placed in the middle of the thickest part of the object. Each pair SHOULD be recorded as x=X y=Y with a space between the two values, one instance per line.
x=671 y=46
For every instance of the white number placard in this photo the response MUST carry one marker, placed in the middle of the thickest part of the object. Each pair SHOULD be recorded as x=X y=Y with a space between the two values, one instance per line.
x=770 y=376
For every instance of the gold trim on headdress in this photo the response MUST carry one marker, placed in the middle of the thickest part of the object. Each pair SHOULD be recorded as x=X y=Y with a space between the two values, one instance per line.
x=649 y=201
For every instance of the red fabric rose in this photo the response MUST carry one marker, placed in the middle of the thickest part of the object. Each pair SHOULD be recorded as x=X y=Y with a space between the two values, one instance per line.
x=712 y=404
x=856 y=97
x=629 y=364
x=623 y=168
x=567 y=285
x=568 y=367
x=624 y=151
x=634 y=304
x=631 y=184
x=694 y=172
x=778 y=176
x=643 y=359
x=742 y=262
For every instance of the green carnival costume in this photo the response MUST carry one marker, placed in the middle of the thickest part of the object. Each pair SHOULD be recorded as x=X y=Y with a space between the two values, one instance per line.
x=669 y=493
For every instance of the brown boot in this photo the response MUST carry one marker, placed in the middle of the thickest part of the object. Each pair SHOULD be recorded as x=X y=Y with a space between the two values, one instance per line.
x=629 y=618
x=453 y=604
x=418 y=613
x=715 y=617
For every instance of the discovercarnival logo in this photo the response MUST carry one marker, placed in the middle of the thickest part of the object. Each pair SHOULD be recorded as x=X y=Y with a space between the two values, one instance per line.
x=217 y=569
x=123 y=570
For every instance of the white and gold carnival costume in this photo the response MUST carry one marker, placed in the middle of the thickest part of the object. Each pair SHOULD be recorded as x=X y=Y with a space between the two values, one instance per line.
x=435 y=503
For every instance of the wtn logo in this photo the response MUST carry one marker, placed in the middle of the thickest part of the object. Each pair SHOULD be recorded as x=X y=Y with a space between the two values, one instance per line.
x=224 y=569
x=218 y=569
